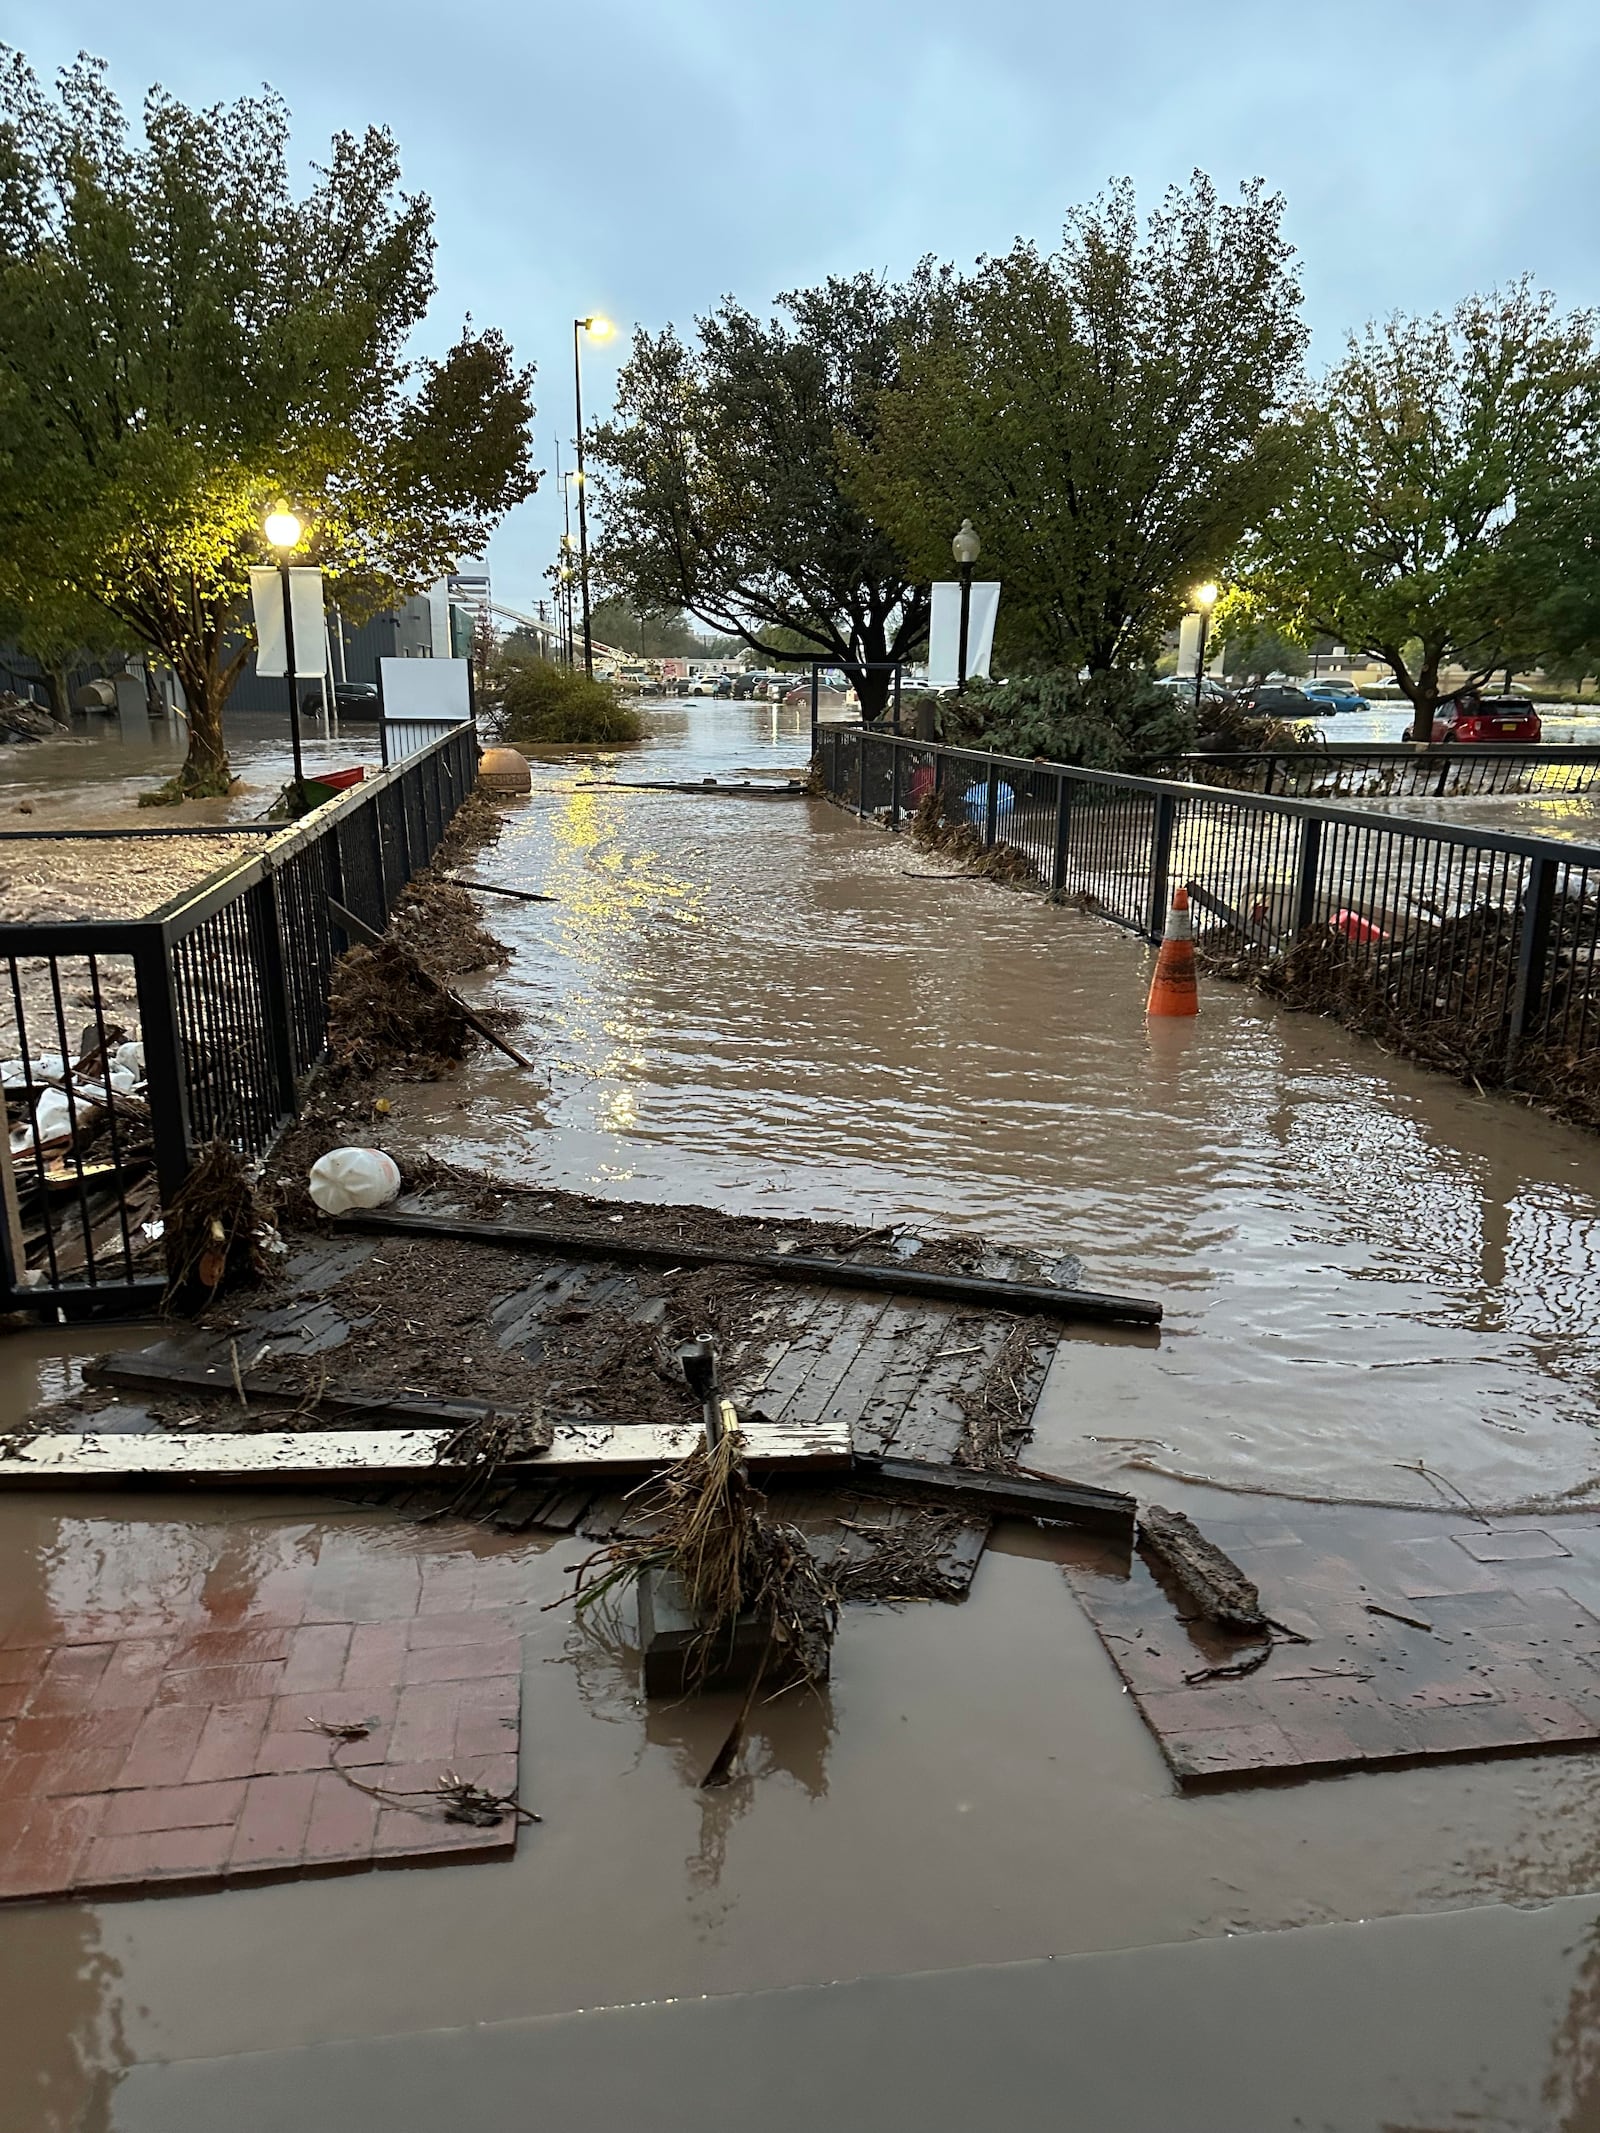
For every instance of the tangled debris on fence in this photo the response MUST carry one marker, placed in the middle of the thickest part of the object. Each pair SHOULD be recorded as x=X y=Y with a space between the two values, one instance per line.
x=933 y=829
x=1442 y=993
x=219 y=1234
x=385 y=1019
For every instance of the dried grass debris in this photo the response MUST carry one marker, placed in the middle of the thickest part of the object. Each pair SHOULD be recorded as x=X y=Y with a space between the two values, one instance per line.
x=219 y=1232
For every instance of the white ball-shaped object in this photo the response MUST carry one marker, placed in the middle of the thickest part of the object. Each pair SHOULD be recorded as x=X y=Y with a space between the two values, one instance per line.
x=353 y=1177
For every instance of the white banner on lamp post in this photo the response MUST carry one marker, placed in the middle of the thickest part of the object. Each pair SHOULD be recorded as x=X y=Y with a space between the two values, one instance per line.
x=944 y=632
x=305 y=604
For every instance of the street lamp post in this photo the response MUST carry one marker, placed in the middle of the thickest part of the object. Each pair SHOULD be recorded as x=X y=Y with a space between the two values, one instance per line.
x=1205 y=599
x=602 y=330
x=283 y=531
x=966 y=548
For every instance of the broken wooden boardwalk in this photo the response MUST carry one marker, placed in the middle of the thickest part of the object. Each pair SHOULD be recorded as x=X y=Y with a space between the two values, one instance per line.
x=818 y=1372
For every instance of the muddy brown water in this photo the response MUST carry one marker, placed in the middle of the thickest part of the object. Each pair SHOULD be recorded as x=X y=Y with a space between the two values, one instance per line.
x=763 y=1004
x=753 y=1003
x=93 y=777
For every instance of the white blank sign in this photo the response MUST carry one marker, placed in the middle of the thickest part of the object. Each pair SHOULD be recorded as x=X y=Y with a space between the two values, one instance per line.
x=305 y=605
x=433 y=689
x=944 y=632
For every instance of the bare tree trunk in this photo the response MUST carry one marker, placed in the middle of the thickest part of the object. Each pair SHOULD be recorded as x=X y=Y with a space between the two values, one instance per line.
x=205 y=774
x=1424 y=694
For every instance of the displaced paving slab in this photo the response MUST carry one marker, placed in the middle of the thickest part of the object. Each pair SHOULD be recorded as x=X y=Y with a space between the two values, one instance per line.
x=1422 y=1640
x=184 y=1750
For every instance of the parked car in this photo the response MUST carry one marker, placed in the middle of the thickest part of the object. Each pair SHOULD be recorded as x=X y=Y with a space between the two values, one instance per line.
x=1182 y=686
x=1334 y=696
x=1275 y=699
x=744 y=687
x=355 y=695
x=1470 y=717
x=725 y=686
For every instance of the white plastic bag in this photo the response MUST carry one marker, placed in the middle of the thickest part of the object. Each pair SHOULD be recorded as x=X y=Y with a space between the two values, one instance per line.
x=52 y=1121
x=353 y=1177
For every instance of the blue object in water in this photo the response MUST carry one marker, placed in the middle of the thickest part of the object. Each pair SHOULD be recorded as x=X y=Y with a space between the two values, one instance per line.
x=975 y=801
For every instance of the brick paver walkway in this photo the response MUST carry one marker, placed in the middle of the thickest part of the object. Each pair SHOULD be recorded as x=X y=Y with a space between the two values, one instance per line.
x=1501 y=1650
x=180 y=1749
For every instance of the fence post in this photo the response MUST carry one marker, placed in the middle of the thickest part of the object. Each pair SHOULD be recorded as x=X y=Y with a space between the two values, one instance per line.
x=894 y=785
x=166 y=1071
x=1160 y=863
x=991 y=805
x=1058 y=865
x=1533 y=949
x=266 y=923
x=815 y=711
x=861 y=777
x=1305 y=883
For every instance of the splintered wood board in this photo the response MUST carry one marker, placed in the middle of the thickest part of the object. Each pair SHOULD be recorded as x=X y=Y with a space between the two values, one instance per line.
x=270 y=1456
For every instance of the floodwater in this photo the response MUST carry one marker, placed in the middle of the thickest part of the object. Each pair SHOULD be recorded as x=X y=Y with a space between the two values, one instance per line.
x=767 y=1004
x=93 y=779
x=974 y=1787
x=760 y=1003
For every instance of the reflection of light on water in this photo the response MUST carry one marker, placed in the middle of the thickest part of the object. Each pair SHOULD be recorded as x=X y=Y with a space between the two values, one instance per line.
x=610 y=894
x=618 y=1111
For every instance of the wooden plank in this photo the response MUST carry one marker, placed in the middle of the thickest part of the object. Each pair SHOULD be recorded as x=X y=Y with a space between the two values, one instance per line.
x=797 y=1361
x=752 y=1383
x=934 y=1425
x=265 y=1457
x=1002 y=1495
x=917 y=1338
x=152 y=1371
x=905 y=1280
x=816 y=1396
x=11 y=1206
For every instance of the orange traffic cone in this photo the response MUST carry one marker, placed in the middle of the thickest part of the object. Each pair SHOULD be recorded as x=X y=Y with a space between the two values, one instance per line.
x=1173 y=990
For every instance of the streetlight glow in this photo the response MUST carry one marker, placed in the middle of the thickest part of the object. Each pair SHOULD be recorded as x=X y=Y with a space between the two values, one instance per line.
x=283 y=529
x=599 y=329
x=1205 y=596
x=966 y=546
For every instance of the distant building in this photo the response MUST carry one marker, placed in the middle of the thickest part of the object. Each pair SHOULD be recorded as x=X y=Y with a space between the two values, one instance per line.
x=436 y=624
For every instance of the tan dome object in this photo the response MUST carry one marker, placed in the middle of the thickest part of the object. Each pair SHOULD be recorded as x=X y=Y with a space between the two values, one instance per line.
x=505 y=770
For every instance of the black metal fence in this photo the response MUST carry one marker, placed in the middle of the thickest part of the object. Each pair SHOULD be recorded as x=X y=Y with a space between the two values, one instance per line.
x=127 y=1044
x=1476 y=949
x=1357 y=770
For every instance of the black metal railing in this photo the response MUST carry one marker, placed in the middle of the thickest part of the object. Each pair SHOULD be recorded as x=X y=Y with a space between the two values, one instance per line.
x=1476 y=949
x=224 y=993
x=1405 y=770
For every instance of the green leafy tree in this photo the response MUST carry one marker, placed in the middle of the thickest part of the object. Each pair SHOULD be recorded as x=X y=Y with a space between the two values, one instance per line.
x=1442 y=467
x=1117 y=722
x=1108 y=415
x=184 y=344
x=652 y=633
x=1252 y=649
x=721 y=477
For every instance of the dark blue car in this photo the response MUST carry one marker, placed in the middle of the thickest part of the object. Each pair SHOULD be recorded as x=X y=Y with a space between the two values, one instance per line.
x=1334 y=696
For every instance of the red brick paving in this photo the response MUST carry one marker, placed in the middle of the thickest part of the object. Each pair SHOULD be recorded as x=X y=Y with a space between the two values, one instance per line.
x=139 y=1754
x=1510 y=1660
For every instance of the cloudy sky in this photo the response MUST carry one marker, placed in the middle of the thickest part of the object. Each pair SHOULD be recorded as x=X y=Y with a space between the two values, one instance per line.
x=642 y=157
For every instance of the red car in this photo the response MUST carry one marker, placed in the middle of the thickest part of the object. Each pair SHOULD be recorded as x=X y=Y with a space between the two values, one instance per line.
x=1471 y=717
